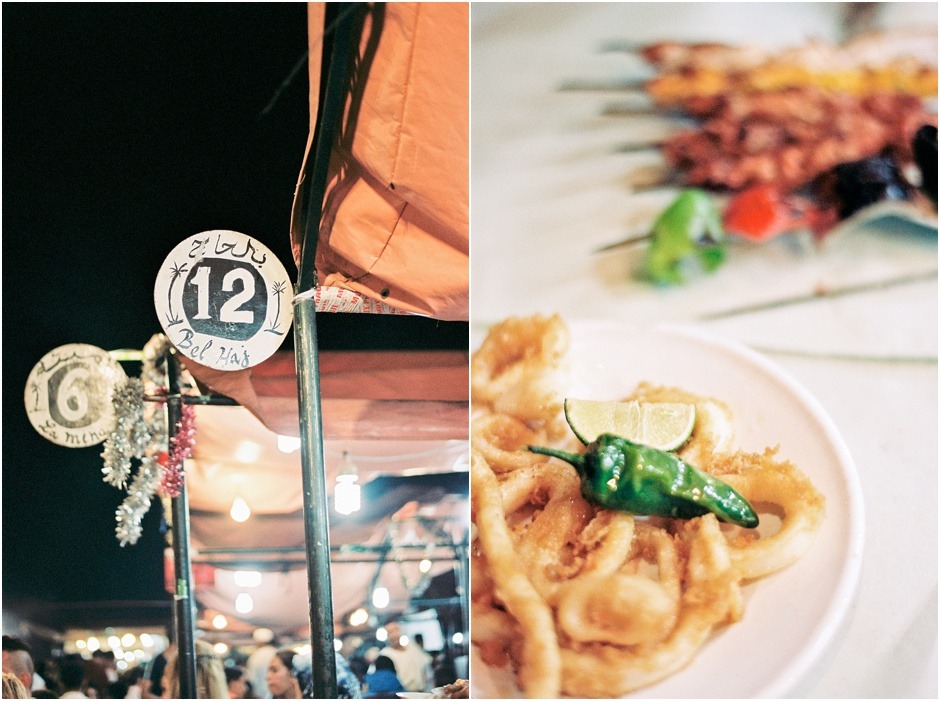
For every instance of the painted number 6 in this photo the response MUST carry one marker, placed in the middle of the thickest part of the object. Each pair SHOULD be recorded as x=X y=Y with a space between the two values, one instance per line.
x=72 y=396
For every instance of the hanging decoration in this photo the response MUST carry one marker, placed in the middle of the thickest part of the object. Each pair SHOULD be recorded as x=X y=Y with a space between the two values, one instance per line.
x=130 y=436
x=181 y=447
x=140 y=434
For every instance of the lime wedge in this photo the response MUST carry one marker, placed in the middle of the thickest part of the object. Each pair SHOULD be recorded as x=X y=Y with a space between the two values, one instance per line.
x=666 y=426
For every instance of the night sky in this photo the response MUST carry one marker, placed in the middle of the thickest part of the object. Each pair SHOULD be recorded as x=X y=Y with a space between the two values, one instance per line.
x=126 y=129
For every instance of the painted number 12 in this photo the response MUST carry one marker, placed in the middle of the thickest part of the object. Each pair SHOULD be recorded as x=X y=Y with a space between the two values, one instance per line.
x=229 y=312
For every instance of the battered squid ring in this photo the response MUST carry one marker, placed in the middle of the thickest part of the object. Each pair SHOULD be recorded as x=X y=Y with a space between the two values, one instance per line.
x=513 y=372
x=555 y=491
x=540 y=671
x=621 y=609
x=513 y=345
x=711 y=594
x=501 y=440
x=607 y=541
x=654 y=545
x=785 y=486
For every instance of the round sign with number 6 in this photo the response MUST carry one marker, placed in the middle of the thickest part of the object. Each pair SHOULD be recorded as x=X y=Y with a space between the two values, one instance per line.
x=223 y=300
x=68 y=395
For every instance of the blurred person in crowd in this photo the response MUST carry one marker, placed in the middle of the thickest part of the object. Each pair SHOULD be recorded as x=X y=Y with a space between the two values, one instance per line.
x=13 y=688
x=18 y=660
x=412 y=663
x=152 y=682
x=108 y=663
x=237 y=683
x=428 y=659
x=290 y=676
x=359 y=667
x=256 y=668
x=210 y=675
x=49 y=669
x=97 y=678
x=72 y=676
x=383 y=682
x=134 y=680
x=445 y=672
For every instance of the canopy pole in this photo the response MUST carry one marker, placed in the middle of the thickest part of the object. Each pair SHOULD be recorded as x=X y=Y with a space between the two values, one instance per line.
x=461 y=554
x=339 y=43
x=183 y=606
x=316 y=521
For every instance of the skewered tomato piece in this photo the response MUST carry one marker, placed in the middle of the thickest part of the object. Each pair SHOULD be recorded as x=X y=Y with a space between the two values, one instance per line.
x=760 y=213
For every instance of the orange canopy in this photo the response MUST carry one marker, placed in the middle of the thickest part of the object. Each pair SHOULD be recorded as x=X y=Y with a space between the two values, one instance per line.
x=395 y=225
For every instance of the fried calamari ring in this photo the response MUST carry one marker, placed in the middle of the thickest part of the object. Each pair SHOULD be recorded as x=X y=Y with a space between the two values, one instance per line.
x=607 y=541
x=621 y=609
x=502 y=441
x=761 y=479
x=546 y=513
x=515 y=371
x=711 y=594
x=540 y=671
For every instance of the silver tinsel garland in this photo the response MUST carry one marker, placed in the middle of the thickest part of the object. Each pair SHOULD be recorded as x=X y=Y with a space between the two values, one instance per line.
x=131 y=435
x=139 y=494
x=140 y=433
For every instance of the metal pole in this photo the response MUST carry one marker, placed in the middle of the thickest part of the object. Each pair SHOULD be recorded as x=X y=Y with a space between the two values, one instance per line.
x=184 y=607
x=463 y=584
x=316 y=521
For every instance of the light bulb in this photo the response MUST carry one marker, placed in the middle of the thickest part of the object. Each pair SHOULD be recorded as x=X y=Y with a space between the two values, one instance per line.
x=220 y=648
x=247 y=579
x=424 y=566
x=288 y=444
x=358 y=617
x=247 y=452
x=380 y=597
x=219 y=621
x=457 y=638
x=244 y=603
x=381 y=635
x=240 y=511
x=347 y=497
x=128 y=639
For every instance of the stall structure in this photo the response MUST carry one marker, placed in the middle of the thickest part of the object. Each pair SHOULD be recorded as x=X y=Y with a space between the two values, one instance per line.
x=395 y=422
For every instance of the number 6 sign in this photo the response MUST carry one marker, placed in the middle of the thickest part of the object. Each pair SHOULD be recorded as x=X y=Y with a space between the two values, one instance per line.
x=223 y=300
x=68 y=394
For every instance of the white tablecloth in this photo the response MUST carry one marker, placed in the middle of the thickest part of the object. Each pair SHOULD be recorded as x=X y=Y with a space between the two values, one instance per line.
x=548 y=187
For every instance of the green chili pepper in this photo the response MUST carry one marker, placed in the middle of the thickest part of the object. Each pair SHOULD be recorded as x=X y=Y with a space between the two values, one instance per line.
x=689 y=229
x=626 y=476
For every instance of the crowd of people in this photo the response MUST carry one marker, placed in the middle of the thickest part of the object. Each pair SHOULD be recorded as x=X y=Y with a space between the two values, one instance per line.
x=271 y=671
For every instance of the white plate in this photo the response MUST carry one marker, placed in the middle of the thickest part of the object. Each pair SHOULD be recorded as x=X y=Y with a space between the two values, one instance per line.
x=791 y=617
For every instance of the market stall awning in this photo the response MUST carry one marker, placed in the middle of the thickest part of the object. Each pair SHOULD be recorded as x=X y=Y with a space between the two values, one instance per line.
x=399 y=417
x=381 y=395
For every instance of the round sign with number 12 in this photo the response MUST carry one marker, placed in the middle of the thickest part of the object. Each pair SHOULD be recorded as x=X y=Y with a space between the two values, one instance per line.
x=223 y=300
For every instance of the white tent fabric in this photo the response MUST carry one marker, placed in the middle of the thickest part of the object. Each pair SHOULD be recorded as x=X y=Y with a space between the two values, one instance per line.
x=238 y=456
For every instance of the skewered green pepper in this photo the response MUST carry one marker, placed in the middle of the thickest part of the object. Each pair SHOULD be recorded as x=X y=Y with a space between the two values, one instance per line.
x=688 y=229
x=625 y=476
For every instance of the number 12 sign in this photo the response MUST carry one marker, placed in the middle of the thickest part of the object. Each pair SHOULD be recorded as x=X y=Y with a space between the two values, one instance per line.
x=223 y=300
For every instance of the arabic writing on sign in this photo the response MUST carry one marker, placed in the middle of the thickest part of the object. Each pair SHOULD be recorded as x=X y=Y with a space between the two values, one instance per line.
x=227 y=245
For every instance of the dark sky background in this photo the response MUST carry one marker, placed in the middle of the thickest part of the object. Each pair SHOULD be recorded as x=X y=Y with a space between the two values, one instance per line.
x=126 y=129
